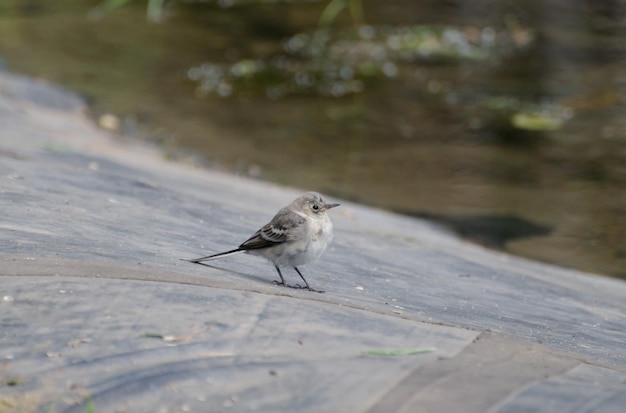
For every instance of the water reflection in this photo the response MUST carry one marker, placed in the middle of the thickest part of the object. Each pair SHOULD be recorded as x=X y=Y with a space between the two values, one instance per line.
x=533 y=135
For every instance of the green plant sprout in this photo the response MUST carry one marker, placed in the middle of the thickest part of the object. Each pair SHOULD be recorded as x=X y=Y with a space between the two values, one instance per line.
x=154 y=11
x=334 y=7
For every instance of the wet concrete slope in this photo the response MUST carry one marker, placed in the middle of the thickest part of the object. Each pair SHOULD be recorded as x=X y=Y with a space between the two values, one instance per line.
x=98 y=313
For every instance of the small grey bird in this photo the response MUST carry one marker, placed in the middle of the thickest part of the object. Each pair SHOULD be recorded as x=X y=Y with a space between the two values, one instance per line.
x=297 y=235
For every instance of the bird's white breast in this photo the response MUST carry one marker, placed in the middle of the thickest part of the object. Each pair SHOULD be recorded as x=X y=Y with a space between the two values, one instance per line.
x=306 y=249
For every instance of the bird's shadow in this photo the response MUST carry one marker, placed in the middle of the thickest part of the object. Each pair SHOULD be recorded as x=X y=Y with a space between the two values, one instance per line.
x=253 y=277
x=249 y=276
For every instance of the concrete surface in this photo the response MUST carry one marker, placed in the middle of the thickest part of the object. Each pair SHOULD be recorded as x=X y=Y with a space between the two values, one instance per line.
x=98 y=313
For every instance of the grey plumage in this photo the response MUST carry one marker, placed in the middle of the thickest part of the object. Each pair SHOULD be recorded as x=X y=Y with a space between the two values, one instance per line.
x=298 y=234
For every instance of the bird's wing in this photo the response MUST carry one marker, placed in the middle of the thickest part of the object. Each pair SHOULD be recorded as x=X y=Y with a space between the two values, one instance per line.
x=277 y=231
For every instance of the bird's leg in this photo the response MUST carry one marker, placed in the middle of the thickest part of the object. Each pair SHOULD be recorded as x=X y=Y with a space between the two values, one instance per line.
x=298 y=286
x=282 y=280
x=307 y=286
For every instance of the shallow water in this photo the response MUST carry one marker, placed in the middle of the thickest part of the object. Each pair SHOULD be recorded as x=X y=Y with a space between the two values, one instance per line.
x=433 y=137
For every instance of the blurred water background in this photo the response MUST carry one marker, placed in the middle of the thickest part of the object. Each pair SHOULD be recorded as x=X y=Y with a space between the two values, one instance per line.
x=504 y=121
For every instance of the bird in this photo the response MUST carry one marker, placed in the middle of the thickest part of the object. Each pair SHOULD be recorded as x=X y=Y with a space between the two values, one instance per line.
x=297 y=235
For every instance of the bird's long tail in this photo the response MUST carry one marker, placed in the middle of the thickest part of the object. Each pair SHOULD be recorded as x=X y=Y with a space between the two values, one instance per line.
x=216 y=256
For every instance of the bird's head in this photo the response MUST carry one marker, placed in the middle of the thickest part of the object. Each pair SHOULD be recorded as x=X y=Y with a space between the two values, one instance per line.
x=312 y=204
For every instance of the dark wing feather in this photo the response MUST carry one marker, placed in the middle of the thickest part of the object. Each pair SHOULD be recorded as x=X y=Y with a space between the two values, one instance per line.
x=275 y=232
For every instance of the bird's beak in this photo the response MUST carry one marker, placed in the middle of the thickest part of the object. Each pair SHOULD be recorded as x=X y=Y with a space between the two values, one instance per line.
x=329 y=206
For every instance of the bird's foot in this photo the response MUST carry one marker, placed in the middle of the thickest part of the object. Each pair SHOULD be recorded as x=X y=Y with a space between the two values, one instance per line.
x=298 y=287
x=308 y=287
x=284 y=284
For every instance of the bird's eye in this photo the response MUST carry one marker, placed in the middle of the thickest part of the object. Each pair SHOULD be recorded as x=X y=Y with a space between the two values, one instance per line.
x=315 y=207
